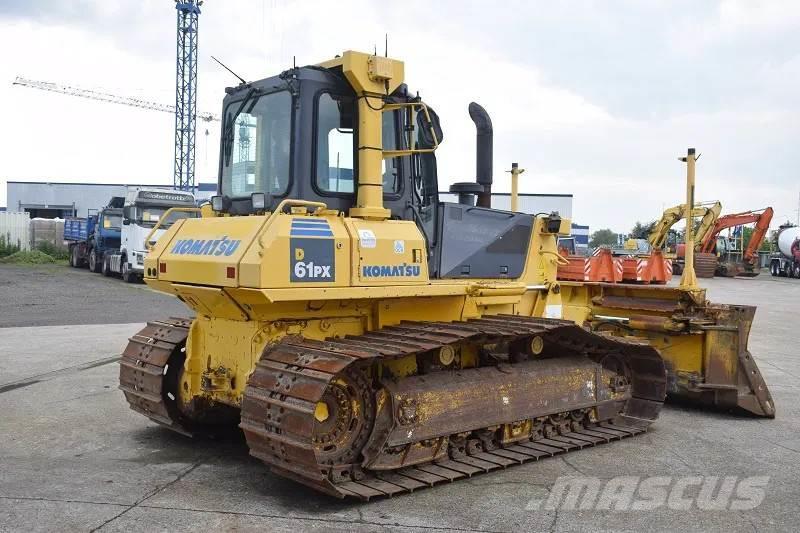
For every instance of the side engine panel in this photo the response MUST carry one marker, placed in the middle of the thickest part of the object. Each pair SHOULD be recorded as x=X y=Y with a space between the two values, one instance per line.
x=475 y=242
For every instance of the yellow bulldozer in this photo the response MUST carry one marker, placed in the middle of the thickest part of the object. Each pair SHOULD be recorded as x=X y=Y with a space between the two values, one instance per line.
x=370 y=339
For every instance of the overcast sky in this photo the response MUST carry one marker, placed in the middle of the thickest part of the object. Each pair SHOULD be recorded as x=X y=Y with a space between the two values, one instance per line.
x=597 y=99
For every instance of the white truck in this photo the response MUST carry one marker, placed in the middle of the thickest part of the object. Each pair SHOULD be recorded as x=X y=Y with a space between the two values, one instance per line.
x=142 y=209
x=786 y=261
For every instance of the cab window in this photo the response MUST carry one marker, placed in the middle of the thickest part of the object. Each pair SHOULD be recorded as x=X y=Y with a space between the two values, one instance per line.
x=257 y=144
x=335 y=144
x=336 y=147
x=392 y=168
x=112 y=222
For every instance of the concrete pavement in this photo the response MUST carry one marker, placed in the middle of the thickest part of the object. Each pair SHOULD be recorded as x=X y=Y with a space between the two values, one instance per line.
x=73 y=457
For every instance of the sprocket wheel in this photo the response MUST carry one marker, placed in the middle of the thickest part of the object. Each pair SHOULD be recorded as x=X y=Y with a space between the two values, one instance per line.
x=344 y=417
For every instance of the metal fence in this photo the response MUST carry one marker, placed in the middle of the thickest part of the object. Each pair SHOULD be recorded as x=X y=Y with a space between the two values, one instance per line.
x=15 y=229
x=47 y=230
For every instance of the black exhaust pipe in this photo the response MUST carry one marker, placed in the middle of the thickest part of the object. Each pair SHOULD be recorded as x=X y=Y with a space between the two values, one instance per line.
x=484 y=150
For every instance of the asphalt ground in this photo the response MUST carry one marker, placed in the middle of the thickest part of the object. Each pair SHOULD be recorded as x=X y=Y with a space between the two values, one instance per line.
x=73 y=457
x=58 y=295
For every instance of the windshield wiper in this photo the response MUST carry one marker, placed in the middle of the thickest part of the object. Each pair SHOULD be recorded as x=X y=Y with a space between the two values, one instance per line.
x=232 y=121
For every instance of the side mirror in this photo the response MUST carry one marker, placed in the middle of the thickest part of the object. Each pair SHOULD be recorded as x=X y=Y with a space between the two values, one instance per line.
x=429 y=128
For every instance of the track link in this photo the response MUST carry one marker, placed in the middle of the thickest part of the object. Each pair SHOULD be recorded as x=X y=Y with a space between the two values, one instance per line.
x=143 y=371
x=279 y=403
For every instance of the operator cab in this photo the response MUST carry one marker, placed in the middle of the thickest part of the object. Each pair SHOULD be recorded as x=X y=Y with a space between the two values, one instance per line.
x=295 y=136
x=279 y=132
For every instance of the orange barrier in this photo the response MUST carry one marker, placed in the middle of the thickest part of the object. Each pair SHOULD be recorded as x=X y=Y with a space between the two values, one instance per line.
x=600 y=266
x=650 y=269
x=603 y=266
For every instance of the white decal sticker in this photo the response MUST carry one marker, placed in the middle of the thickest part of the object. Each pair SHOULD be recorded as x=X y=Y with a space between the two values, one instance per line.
x=367 y=238
x=552 y=311
x=399 y=247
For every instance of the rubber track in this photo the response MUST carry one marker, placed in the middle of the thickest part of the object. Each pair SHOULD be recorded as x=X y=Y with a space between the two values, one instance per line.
x=292 y=375
x=142 y=370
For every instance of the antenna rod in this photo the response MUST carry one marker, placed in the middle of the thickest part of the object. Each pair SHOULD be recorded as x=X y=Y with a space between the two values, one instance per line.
x=229 y=70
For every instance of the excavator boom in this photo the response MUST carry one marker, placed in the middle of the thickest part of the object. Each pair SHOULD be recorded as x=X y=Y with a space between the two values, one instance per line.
x=709 y=218
x=708 y=214
x=762 y=219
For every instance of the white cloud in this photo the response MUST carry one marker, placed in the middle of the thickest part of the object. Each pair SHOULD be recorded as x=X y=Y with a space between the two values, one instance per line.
x=596 y=100
x=747 y=15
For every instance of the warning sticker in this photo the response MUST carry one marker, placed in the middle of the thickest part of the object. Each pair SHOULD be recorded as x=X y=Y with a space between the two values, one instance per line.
x=553 y=311
x=367 y=238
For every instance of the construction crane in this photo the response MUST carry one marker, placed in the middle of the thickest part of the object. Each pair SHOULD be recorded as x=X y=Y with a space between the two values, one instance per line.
x=185 y=108
x=92 y=94
x=186 y=92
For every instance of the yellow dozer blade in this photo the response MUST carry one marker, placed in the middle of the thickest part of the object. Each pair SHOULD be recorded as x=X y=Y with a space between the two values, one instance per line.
x=704 y=345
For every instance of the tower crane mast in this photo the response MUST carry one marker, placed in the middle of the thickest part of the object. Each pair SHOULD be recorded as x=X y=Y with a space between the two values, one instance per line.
x=185 y=108
x=186 y=92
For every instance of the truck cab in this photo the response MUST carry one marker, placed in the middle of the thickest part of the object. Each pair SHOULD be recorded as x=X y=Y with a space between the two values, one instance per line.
x=94 y=237
x=142 y=209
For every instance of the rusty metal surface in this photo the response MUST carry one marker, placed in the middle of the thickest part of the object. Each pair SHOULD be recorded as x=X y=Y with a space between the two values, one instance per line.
x=727 y=376
x=506 y=393
x=705 y=264
x=348 y=452
x=634 y=303
x=732 y=377
x=142 y=370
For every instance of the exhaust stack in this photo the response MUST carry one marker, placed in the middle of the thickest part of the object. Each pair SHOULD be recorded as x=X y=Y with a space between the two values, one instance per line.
x=484 y=151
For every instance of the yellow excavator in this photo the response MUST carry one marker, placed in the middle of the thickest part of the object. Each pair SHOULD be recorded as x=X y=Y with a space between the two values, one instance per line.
x=370 y=339
x=708 y=213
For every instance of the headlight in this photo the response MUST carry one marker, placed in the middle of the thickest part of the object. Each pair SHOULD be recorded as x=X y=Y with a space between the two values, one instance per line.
x=552 y=223
x=217 y=203
x=259 y=201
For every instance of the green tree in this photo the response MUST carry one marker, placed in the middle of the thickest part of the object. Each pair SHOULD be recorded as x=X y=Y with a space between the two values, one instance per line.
x=642 y=231
x=603 y=237
x=765 y=246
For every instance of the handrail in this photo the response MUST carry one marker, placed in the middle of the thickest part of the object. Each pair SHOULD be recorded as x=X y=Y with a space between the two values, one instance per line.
x=166 y=214
x=560 y=259
x=321 y=206
x=397 y=153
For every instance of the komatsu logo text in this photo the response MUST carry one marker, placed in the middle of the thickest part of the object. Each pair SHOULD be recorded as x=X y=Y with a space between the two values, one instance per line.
x=385 y=271
x=223 y=246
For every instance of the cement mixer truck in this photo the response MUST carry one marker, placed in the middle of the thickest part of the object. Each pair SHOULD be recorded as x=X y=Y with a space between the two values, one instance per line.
x=786 y=261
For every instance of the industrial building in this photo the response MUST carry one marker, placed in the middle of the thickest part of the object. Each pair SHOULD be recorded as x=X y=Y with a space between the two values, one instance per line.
x=581 y=234
x=62 y=199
